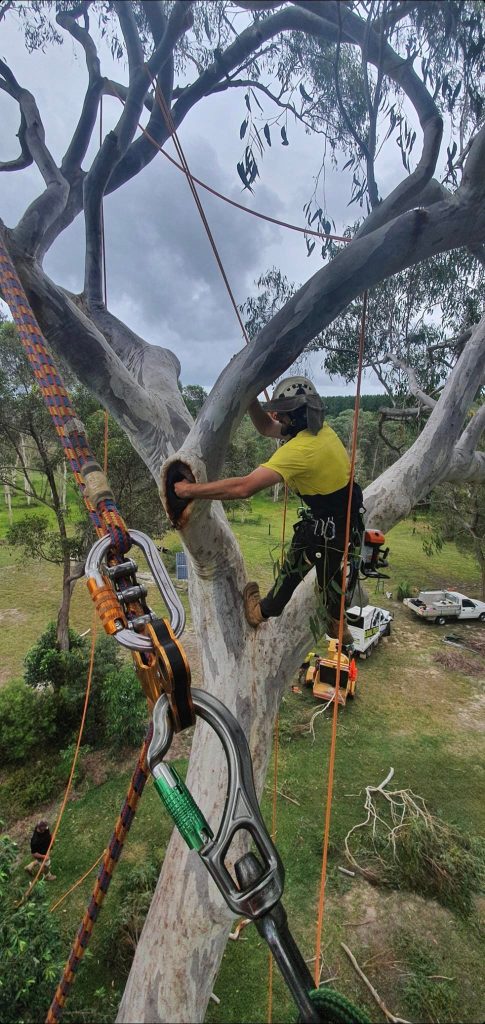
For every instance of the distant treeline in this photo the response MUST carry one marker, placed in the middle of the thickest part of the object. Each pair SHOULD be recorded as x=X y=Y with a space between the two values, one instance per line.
x=334 y=404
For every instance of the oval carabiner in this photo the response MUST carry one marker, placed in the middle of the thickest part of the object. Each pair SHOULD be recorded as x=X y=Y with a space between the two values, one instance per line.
x=98 y=572
x=241 y=811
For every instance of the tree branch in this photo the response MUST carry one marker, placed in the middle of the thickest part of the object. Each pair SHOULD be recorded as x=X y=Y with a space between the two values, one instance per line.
x=408 y=240
x=438 y=453
x=25 y=158
x=155 y=423
x=473 y=173
x=471 y=436
x=77 y=148
x=414 y=387
x=129 y=30
x=117 y=142
x=42 y=211
x=246 y=83
x=402 y=74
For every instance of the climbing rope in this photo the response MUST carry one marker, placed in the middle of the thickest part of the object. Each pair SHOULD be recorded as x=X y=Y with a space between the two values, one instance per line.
x=276 y=745
x=334 y=1008
x=54 y=906
x=333 y=742
x=96 y=494
x=165 y=665
x=323 y=235
x=110 y=860
x=67 y=791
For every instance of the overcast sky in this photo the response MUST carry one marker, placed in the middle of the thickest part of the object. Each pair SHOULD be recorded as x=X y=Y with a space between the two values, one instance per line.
x=162 y=277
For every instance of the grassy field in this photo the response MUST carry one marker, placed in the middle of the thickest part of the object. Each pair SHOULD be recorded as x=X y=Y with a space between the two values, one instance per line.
x=411 y=713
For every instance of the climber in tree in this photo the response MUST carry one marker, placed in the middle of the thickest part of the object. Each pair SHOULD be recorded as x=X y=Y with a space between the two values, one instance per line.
x=315 y=464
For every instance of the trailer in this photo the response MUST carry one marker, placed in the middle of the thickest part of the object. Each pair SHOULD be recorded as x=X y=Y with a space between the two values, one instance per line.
x=368 y=625
x=441 y=606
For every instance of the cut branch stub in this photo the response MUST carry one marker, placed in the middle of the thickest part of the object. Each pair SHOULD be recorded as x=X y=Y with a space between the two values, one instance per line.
x=177 y=508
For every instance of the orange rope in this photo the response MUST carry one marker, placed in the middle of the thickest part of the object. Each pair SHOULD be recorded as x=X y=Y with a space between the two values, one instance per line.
x=247 y=209
x=276 y=743
x=105 y=442
x=28 y=891
x=73 y=887
x=333 y=743
x=232 y=202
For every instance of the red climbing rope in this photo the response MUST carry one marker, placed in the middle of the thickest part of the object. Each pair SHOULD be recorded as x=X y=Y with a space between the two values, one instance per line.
x=102 y=883
x=104 y=514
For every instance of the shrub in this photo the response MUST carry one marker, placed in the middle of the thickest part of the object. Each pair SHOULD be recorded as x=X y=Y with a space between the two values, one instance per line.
x=45 y=665
x=403 y=590
x=33 y=783
x=438 y=862
x=63 y=676
x=125 y=707
x=64 y=764
x=27 y=721
x=30 y=945
x=135 y=897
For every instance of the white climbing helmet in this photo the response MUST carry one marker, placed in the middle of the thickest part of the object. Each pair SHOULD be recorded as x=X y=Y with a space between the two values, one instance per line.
x=292 y=393
x=293 y=387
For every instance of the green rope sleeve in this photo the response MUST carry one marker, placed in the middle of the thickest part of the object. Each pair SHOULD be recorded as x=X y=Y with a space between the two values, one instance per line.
x=334 y=1008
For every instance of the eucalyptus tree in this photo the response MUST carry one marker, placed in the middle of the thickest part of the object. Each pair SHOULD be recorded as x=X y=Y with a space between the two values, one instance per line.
x=358 y=75
x=32 y=466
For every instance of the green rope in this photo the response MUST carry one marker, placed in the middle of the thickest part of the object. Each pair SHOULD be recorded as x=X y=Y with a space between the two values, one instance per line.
x=336 y=1009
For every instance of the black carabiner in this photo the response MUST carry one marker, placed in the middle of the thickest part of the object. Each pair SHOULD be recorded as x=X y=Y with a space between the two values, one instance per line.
x=241 y=811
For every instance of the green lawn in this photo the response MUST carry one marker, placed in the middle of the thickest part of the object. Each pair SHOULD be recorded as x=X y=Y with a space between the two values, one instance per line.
x=410 y=713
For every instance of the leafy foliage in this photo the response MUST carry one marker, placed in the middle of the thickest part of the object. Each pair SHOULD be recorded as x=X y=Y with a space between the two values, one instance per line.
x=30 y=944
x=28 y=721
x=66 y=673
x=47 y=666
x=36 y=540
x=457 y=513
x=194 y=397
x=137 y=891
x=125 y=707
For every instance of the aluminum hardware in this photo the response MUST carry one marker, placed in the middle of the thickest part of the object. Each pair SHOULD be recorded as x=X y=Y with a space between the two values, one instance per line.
x=241 y=812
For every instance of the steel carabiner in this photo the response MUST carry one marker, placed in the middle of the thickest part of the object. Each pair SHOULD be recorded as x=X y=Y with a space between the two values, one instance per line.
x=98 y=572
x=241 y=811
x=260 y=881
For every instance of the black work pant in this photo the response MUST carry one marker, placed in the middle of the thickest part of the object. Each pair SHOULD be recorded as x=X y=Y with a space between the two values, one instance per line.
x=309 y=549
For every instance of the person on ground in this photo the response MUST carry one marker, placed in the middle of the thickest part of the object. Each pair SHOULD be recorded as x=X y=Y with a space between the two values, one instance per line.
x=314 y=463
x=39 y=845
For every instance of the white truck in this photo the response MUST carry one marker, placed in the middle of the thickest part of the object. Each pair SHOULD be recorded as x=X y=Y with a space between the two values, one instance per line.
x=367 y=625
x=443 y=606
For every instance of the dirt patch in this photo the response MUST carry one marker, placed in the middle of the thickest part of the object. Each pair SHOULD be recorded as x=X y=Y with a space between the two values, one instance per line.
x=372 y=923
x=457 y=661
x=12 y=616
x=97 y=767
x=471 y=715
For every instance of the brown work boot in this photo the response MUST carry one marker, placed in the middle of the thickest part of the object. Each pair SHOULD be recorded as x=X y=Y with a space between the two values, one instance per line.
x=332 y=629
x=252 y=606
x=50 y=877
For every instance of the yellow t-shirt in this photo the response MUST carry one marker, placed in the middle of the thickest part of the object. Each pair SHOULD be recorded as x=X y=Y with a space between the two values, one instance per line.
x=312 y=463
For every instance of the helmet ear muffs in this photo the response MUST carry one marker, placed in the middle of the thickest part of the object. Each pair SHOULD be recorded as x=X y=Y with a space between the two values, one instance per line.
x=315 y=418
